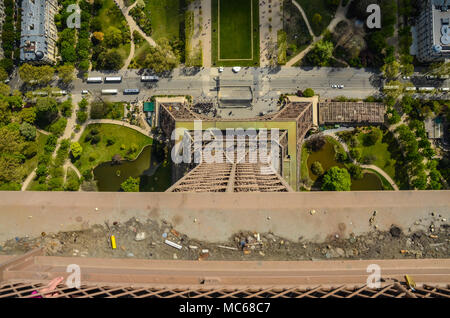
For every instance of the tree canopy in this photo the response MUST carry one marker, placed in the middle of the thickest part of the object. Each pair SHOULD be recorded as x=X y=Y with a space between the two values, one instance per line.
x=336 y=179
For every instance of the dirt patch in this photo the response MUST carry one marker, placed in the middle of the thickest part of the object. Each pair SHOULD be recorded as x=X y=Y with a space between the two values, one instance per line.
x=428 y=239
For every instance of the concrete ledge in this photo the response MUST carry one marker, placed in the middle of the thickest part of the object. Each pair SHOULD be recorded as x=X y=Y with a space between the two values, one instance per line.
x=219 y=215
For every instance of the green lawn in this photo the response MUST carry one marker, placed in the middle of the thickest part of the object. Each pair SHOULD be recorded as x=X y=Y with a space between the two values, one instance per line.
x=311 y=7
x=101 y=152
x=235 y=32
x=167 y=18
x=381 y=152
x=115 y=20
x=30 y=164
x=140 y=53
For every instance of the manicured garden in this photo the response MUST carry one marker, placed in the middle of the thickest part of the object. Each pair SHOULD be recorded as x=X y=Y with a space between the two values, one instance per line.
x=101 y=142
x=235 y=32
x=324 y=158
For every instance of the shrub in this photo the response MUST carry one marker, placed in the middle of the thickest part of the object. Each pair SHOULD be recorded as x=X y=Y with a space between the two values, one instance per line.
x=308 y=92
x=317 y=168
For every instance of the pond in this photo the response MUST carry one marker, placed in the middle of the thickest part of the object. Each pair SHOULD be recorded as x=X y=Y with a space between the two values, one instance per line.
x=326 y=156
x=370 y=181
x=155 y=176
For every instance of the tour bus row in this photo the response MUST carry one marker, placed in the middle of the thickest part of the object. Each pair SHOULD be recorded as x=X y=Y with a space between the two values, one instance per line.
x=118 y=79
x=420 y=89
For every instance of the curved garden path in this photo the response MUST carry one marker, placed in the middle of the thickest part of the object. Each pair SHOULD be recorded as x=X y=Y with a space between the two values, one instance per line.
x=340 y=15
x=133 y=27
x=147 y=131
x=373 y=167
x=305 y=18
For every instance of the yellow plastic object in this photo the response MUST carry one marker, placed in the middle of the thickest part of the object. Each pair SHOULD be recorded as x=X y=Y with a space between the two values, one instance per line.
x=113 y=242
x=410 y=282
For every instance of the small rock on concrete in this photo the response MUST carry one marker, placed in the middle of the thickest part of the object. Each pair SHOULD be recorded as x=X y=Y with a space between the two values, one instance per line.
x=140 y=236
x=395 y=231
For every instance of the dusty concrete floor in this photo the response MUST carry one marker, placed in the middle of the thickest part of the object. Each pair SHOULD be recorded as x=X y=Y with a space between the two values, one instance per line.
x=430 y=238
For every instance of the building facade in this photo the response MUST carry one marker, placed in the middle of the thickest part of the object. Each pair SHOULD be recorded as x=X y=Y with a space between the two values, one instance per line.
x=38 y=31
x=433 y=31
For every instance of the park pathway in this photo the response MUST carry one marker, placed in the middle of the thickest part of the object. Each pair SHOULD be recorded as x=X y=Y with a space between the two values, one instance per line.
x=206 y=34
x=373 y=167
x=133 y=27
x=339 y=16
x=70 y=127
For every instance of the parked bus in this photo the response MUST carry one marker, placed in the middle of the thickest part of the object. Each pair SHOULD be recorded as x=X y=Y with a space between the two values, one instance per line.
x=410 y=89
x=59 y=93
x=94 y=79
x=131 y=91
x=149 y=78
x=444 y=89
x=109 y=91
x=391 y=87
x=113 y=79
x=40 y=94
x=426 y=89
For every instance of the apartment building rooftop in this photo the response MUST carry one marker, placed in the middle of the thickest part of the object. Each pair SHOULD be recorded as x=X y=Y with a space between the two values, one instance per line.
x=38 y=31
x=441 y=27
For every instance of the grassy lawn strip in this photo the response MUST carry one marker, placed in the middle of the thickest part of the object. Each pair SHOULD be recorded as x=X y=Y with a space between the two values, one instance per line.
x=167 y=17
x=235 y=29
x=123 y=138
x=382 y=154
x=304 y=171
x=236 y=33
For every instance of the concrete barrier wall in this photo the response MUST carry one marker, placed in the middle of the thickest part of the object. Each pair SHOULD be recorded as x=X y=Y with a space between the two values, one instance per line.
x=215 y=217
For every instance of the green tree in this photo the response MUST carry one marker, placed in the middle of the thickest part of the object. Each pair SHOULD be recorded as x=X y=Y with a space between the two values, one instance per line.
x=28 y=131
x=317 y=168
x=3 y=74
x=76 y=149
x=34 y=75
x=336 y=179
x=130 y=185
x=317 y=19
x=309 y=92
x=390 y=70
x=66 y=73
x=161 y=58
x=321 y=53
x=355 y=172
x=355 y=153
x=110 y=60
x=46 y=110
x=82 y=117
x=113 y=37
x=4 y=89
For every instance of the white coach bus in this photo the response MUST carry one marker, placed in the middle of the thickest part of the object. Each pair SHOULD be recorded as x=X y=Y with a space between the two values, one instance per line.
x=109 y=91
x=94 y=79
x=113 y=79
x=149 y=78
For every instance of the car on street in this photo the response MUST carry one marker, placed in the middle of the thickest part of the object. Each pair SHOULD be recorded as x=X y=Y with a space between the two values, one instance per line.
x=236 y=69
x=406 y=77
x=220 y=69
x=84 y=92
x=334 y=86
x=341 y=86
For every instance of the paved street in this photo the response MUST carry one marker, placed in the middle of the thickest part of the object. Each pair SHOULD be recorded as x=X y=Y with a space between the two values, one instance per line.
x=265 y=82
